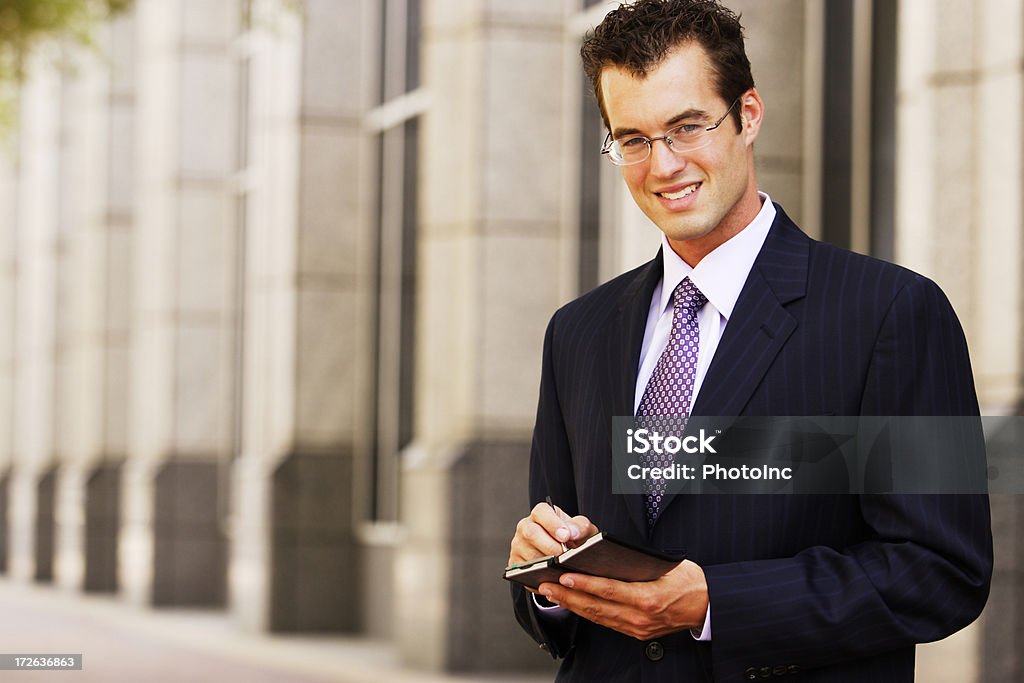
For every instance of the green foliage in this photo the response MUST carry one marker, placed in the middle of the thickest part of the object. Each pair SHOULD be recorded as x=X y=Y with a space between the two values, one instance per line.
x=24 y=24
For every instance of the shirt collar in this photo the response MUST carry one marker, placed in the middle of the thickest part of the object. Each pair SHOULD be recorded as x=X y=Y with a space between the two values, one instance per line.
x=719 y=275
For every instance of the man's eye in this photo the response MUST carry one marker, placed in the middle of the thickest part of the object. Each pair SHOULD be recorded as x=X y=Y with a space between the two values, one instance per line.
x=632 y=143
x=687 y=129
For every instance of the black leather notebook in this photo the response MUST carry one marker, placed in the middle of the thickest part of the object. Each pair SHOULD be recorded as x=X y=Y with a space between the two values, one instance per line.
x=601 y=555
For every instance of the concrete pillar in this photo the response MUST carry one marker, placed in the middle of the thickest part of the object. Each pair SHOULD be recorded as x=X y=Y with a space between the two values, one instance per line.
x=960 y=221
x=996 y=332
x=35 y=305
x=996 y=335
x=491 y=230
x=94 y=303
x=783 y=44
x=959 y=80
x=295 y=561
x=107 y=320
x=8 y=275
x=88 y=283
x=173 y=546
x=78 y=106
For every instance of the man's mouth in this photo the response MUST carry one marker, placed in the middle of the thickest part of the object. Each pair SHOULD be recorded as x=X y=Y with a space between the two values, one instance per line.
x=679 y=194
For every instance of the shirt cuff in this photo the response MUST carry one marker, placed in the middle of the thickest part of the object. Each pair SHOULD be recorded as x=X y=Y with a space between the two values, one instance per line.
x=703 y=634
x=550 y=610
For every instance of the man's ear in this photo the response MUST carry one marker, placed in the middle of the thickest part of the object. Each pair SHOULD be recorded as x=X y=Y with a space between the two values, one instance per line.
x=751 y=115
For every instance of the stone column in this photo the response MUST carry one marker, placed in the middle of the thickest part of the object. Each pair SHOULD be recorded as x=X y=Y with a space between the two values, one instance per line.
x=173 y=545
x=492 y=226
x=78 y=188
x=59 y=517
x=961 y=221
x=996 y=334
x=92 y=428
x=8 y=274
x=35 y=286
x=111 y=320
x=783 y=46
x=295 y=565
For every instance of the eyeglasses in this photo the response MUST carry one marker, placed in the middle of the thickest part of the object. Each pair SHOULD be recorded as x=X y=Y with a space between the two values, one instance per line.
x=635 y=149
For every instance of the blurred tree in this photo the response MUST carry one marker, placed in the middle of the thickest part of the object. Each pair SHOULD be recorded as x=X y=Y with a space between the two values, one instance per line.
x=26 y=23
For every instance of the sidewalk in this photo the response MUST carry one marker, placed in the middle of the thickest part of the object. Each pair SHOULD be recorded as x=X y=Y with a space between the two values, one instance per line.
x=120 y=642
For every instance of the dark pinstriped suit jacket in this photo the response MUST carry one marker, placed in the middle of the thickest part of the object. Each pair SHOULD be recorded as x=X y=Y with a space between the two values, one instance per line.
x=809 y=588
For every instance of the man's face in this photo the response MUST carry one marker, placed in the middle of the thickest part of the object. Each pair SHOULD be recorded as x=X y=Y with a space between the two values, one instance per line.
x=698 y=199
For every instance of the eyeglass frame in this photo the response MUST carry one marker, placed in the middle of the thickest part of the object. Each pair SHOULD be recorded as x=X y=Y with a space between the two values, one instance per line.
x=606 y=148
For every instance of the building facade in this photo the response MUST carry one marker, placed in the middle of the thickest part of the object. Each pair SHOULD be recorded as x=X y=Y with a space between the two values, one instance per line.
x=274 y=277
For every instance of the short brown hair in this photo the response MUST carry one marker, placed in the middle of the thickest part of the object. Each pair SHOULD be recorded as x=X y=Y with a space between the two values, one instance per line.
x=637 y=37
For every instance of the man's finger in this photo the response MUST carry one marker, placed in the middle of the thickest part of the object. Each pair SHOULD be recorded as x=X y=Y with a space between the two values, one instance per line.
x=555 y=521
x=532 y=541
x=590 y=607
x=600 y=587
x=582 y=527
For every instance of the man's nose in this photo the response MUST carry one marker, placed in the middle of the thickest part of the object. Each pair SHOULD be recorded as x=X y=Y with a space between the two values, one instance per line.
x=664 y=161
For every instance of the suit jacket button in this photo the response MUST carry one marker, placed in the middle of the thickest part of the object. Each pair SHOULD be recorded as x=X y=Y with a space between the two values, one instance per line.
x=780 y=670
x=654 y=651
x=543 y=646
x=793 y=668
x=751 y=674
x=765 y=671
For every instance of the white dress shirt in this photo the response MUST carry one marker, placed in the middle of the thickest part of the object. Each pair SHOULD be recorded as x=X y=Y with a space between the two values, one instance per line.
x=719 y=276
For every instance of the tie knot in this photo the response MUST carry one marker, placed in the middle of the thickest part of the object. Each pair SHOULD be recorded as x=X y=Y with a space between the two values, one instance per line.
x=688 y=297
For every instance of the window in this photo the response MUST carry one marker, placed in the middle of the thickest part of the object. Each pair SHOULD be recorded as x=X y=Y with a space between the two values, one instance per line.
x=395 y=124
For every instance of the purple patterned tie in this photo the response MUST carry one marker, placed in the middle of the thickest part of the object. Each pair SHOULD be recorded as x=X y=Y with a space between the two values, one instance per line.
x=665 y=405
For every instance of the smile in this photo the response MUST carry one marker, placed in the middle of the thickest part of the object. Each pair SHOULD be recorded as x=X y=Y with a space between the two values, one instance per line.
x=679 y=194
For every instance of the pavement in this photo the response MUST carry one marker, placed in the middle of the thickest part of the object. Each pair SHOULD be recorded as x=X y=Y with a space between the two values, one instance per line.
x=123 y=642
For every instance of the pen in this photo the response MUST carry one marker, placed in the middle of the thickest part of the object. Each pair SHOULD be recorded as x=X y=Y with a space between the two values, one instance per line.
x=548 y=499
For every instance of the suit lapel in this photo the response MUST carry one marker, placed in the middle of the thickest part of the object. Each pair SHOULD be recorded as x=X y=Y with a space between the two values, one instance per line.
x=623 y=362
x=760 y=324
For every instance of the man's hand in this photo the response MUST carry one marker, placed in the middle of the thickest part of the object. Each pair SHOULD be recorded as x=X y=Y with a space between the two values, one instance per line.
x=543 y=532
x=642 y=610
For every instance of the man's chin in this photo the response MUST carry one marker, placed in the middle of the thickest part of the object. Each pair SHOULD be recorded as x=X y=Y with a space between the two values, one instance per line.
x=686 y=232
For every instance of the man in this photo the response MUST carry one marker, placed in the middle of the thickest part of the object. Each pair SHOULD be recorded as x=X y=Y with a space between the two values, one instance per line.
x=818 y=588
